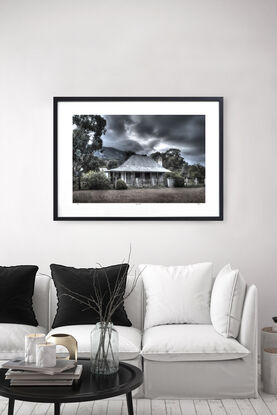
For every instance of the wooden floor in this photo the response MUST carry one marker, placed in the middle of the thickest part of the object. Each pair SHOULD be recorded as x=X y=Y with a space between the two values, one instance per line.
x=264 y=405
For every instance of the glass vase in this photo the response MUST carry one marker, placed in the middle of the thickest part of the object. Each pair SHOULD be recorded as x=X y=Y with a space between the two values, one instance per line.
x=104 y=349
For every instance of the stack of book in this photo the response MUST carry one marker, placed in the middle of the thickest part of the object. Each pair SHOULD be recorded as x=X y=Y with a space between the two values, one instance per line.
x=21 y=373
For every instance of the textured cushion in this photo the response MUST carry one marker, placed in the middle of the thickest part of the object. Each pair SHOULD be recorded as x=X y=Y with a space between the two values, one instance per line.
x=227 y=302
x=16 y=292
x=129 y=340
x=177 y=294
x=80 y=282
x=12 y=339
x=133 y=304
x=189 y=342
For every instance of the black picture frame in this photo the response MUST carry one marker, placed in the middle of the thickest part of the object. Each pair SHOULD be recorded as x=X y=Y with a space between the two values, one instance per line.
x=56 y=214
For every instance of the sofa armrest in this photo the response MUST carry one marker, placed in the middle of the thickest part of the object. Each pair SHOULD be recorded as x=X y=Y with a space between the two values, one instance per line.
x=249 y=322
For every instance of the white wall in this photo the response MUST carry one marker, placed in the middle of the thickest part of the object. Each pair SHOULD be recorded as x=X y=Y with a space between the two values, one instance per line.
x=157 y=47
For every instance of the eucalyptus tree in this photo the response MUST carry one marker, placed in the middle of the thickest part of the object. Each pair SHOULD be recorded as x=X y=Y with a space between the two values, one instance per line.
x=87 y=133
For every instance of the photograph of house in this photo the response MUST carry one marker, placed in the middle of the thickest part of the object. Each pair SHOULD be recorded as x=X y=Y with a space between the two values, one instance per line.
x=138 y=158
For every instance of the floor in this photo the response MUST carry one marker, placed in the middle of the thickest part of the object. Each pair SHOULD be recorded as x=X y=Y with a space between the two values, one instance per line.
x=264 y=405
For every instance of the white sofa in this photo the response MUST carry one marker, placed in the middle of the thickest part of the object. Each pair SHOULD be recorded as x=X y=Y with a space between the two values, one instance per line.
x=179 y=361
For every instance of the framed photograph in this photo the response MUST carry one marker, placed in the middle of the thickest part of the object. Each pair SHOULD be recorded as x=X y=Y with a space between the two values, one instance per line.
x=136 y=158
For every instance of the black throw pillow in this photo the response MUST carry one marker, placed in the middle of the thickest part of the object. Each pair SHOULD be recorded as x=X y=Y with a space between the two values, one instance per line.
x=16 y=292
x=73 y=281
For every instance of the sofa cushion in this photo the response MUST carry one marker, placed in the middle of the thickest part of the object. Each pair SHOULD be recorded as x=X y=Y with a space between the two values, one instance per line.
x=133 y=304
x=12 y=339
x=78 y=291
x=189 y=342
x=16 y=292
x=227 y=302
x=177 y=294
x=129 y=339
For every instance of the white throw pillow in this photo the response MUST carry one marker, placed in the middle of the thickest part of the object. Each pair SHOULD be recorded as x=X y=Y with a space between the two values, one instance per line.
x=177 y=294
x=227 y=302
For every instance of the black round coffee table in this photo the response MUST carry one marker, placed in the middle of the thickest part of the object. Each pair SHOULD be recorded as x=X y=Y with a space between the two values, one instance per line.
x=89 y=388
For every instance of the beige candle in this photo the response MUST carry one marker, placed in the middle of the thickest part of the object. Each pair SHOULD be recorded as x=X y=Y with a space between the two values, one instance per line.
x=46 y=355
x=31 y=340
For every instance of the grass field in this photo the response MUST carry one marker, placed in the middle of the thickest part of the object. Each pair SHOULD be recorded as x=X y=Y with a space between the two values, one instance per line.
x=147 y=195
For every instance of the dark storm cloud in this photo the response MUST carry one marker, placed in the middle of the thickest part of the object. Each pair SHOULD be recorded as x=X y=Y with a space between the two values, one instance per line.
x=145 y=134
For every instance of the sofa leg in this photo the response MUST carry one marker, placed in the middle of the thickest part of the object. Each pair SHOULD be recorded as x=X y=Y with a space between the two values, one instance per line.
x=129 y=403
x=11 y=406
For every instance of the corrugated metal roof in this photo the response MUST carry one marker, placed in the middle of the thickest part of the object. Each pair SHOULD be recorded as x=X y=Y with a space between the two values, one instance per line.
x=140 y=163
